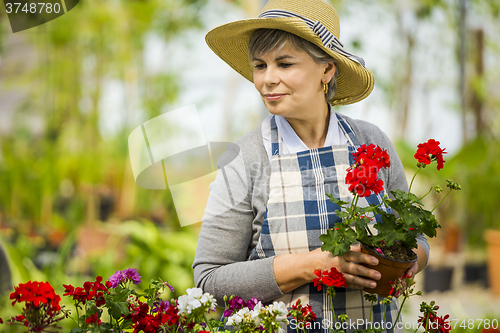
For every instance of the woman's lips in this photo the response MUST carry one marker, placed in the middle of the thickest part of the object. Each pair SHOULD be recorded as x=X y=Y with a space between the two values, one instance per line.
x=273 y=97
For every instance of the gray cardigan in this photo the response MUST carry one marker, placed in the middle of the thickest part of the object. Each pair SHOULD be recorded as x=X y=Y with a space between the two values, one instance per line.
x=235 y=212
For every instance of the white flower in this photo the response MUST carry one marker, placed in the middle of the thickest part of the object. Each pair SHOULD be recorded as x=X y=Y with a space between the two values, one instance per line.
x=194 y=299
x=279 y=308
x=258 y=307
x=182 y=303
x=234 y=319
x=194 y=292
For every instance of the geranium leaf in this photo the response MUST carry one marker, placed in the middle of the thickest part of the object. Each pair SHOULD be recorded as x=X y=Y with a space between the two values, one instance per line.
x=338 y=241
x=118 y=309
x=335 y=200
x=388 y=228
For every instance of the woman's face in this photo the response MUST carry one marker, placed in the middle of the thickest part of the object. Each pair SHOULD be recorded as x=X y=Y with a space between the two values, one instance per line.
x=290 y=82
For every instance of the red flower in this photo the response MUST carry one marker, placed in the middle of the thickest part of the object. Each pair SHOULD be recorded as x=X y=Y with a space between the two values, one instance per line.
x=329 y=278
x=430 y=151
x=362 y=177
x=35 y=294
x=93 y=319
x=301 y=313
x=435 y=324
x=372 y=155
x=90 y=291
x=363 y=180
x=171 y=316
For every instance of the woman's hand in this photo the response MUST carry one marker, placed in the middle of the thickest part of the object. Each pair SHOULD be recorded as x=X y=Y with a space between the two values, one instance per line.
x=294 y=270
x=419 y=264
x=356 y=275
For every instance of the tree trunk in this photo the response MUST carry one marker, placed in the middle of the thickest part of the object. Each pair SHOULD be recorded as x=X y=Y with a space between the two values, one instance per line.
x=477 y=102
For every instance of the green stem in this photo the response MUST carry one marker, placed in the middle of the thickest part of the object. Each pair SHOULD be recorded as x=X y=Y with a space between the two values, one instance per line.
x=354 y=202
x=441 y=201
x=399 y=313
x=426 y=194
x=385 y=312
x=333 y=310
x=371 y=312
x=411 y=183
x=77 y=315
x=206 y=321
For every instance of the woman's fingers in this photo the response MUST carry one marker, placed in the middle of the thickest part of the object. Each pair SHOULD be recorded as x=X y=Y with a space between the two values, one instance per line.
x=356 y=256
x=357 y=276
x=412 y=270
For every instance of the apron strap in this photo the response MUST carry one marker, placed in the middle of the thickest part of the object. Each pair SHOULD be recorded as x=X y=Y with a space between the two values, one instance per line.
x=276 y=141
x=348 y=132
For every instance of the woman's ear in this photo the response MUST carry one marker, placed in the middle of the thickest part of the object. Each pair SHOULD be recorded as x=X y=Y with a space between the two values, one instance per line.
x=329 y=71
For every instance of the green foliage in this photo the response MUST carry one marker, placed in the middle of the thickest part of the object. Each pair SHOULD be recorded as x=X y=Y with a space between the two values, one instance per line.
x=338 y=241
x=154 y=252
x=477 y=168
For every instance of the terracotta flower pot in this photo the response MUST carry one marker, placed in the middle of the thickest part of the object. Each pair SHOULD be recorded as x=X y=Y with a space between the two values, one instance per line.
x=390 y=269
x=492 y=237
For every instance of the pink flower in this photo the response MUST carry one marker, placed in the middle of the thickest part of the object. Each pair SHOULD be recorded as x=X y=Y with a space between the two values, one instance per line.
x=130 y=274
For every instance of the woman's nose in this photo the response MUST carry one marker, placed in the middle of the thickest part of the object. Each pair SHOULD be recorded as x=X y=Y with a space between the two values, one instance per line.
x=271 y=76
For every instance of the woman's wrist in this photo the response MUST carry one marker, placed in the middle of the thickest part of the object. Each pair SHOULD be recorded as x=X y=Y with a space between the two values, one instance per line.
x=292 y=271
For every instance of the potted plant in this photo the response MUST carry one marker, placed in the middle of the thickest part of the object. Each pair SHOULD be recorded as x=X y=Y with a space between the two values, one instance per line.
x=397 y=233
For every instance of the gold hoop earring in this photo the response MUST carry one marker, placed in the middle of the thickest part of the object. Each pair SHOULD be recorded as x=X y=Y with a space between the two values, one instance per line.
x=325 y=88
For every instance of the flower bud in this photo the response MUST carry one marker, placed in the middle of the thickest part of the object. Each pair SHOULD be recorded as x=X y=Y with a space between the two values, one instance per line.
x=438 y=189
x=452 y=185
x=225 y=298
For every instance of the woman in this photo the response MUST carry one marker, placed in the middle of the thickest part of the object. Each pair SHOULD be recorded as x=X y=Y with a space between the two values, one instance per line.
x=265 y=212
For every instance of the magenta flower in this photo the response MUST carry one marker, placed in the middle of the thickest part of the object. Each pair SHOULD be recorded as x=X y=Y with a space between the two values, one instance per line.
x=130 y=274
x=115 y=279
x=234 y=304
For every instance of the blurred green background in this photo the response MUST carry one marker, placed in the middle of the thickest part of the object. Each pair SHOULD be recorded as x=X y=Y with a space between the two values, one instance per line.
x=69 y=206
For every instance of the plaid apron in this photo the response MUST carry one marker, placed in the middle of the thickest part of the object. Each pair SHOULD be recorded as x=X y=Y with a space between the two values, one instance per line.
x=298 y=212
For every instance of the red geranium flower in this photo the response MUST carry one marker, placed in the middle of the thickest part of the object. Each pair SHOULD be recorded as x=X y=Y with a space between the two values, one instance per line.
x=329 y=278
x=90 y=291
x=93 y=319
x=362 y=177
x=430 y=151
x=372 y=155
x=302 y=313
x=363 y=180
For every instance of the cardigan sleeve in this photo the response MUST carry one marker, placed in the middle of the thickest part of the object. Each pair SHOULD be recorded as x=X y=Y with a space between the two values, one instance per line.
x=228 y=233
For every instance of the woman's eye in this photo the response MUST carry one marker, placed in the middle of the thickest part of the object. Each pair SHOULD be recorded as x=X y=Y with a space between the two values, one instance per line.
x=285 y=65
x=260 y=66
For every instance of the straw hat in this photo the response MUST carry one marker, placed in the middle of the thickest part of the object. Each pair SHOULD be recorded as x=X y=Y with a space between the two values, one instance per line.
x=314 y=21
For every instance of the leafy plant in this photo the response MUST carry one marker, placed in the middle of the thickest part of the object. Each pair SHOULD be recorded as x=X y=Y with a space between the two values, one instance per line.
x=411 y=219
